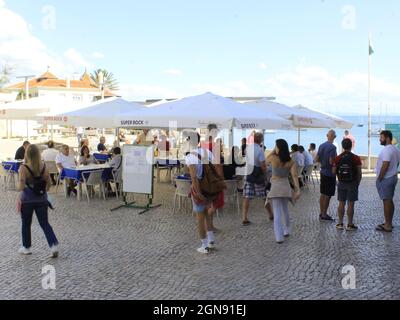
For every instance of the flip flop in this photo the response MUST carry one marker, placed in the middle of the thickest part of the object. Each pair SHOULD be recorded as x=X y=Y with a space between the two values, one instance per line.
x=381 y=228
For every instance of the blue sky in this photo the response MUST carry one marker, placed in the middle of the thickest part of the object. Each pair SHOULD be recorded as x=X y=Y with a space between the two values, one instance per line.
x=309 y=51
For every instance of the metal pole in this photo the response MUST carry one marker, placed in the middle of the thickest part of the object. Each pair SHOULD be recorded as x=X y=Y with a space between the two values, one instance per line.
x=369 y=108
x=299 y=136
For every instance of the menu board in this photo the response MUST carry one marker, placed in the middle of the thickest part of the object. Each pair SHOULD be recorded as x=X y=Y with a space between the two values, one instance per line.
x=137 y=169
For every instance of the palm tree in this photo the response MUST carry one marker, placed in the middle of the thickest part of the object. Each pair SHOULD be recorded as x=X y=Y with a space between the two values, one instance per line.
x=5 y=74
x=110 y=82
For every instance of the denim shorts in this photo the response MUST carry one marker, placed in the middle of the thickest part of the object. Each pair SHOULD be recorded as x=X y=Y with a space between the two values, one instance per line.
x=200 y=208
x=387 y=187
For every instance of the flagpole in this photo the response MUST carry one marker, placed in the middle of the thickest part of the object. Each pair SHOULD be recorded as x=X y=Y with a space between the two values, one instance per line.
x=369 y=106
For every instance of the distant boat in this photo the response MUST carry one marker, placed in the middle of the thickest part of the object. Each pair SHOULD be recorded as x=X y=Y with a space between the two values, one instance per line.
x=360 y=125
x=270 y=131
x=376 y=132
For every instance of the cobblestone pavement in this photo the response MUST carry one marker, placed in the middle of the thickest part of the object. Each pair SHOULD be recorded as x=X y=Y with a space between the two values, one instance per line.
x=121 y=255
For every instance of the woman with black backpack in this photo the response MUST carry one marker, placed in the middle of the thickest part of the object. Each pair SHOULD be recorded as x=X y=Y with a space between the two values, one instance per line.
x=34 y=182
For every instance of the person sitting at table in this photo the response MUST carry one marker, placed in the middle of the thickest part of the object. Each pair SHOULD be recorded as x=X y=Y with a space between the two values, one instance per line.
x=116 y=164
x=84 y=142
x=163 y=143
x=49 y=155
x=142 y=139
x=101 y=147
x=66 y=160
x=86 y=158
x=20 y=154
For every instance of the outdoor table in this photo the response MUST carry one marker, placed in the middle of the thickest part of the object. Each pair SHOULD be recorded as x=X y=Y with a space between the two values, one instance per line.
x=12 y=165
x=102 y=157
x=169 y=164
x=76 y=174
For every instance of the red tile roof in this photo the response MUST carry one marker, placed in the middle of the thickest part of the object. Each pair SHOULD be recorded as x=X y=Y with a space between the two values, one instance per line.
x=49 y=80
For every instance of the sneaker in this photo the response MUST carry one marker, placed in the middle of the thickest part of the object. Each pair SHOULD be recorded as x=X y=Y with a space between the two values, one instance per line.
x=340 y=226
x=203 y=250
x=54 y=251
x=211 y=245
x=24 y=251
x=326 y=218
x=351 y=227
x=246 y=223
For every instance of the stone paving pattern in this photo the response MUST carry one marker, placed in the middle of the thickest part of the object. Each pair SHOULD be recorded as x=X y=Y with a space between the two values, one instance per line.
x=121 y=255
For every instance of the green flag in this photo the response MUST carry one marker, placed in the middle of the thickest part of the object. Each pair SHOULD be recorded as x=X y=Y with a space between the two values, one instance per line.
x=371 y=50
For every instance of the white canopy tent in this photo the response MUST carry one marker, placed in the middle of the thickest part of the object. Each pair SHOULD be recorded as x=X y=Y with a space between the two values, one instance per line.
x=198 y=112
x=303 y=118
x=299 y=118
x=30 y=109
x=100 y=114
x=338 y=122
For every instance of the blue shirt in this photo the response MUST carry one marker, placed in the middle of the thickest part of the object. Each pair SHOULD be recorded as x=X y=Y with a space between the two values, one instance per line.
x=326 y=152
x=308 y=159
x=101 y=147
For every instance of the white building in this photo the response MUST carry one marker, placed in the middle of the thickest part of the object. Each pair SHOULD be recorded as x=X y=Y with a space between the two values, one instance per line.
x=82 y=91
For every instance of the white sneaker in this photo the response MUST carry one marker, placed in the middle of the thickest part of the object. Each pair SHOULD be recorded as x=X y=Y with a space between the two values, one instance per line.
x=211 y=245
x=24 y=251
x=203 y=250
x=54 y=251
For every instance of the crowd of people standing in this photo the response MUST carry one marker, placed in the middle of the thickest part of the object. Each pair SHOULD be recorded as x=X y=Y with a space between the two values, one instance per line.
x=274 y=178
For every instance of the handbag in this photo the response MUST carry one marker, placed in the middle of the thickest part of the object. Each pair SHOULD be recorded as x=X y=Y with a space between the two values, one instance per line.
x=257 y=176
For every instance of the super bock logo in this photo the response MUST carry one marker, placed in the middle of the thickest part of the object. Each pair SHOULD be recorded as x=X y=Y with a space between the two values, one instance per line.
x=132 y=122
x=248 y=125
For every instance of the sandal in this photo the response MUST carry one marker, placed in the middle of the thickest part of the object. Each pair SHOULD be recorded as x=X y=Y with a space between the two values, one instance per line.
x=340 y=226
x=382 y=228
x=246 y=223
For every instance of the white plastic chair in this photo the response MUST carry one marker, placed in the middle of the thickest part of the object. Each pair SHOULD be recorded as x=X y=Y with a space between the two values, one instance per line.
x=183 y=189
x=4 y=177
x=51 y=166
x=308 y=175
x=317 y=170
x=93 y=179
x=116 y=185
x=8 y=178
x=300 y=174
x=231 y=193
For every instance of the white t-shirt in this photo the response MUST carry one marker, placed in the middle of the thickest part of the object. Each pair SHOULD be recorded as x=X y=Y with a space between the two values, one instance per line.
x=49 y=154
x=66 y=161
x=389 y=154
x=192 y=159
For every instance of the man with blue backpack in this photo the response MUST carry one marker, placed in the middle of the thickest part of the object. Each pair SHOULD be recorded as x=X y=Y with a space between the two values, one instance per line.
x=348 y=169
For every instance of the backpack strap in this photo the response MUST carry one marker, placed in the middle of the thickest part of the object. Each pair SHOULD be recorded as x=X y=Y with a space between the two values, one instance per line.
x=32 y=174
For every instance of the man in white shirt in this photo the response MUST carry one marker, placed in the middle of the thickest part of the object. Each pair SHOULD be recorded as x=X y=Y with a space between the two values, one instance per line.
x=49 y=155
x=201 y=205
x=313 y=151
x=66 y=160
x=308 y=159
x=297 y=156
x=387 y=178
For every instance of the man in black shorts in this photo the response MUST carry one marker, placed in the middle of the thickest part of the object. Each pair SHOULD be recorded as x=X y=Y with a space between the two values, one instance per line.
x=326 y=156
x=348 y=168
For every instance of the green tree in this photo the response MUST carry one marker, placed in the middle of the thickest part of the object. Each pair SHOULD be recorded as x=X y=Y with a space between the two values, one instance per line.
x=5 y=75
x=110 y=82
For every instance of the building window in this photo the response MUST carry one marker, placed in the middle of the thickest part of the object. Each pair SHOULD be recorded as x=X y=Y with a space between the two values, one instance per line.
x=77 y=97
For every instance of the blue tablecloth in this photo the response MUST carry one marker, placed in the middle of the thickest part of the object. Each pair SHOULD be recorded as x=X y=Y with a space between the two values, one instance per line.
x=11 y=165
x=168 y=163
x=76 y=174
x=101 y=157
